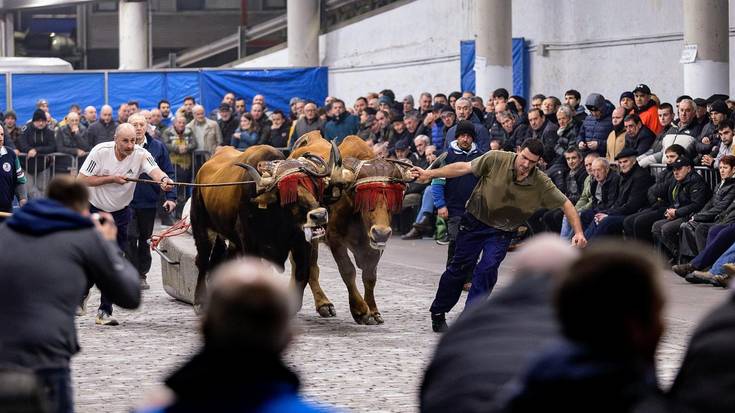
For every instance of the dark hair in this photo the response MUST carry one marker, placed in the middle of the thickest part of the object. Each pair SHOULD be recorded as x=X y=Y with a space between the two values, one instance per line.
x=389 y=93
x=456 y=95
x=162 y=101
x=362 y=98
x=501 y=93
x=728 y=160
x=535 y=146
x=278 y=112
x=191 y=98
x=254 y=126
x=682 y=97
x=666 y=105
x=370 y=111
x=74 y=106
x=574 y=93
x=587 y=299
x=440 y=95
x=635 y=118
x=474 y=99
x=241 y=98
x=540 y=112
x=574 y=149
x=521 y=101
x=133 y=103
x=337 y=100
x=677 y=149
x=69 y=192
x=538 y=96
x=727 y=123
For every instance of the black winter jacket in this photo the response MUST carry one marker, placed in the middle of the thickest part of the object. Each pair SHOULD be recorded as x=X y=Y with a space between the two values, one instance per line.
x=691 y=197
x=609 y=192
x=642 y=142
x=632 y=192
x=721 y=200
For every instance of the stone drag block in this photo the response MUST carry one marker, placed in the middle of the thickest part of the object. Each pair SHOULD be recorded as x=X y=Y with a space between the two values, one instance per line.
x=178 y=269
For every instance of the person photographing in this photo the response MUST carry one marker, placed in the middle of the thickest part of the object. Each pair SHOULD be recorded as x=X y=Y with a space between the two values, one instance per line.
x=509 y=189
x=39 y=296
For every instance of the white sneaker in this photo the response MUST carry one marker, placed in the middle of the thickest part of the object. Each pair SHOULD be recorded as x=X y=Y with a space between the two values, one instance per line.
x=105 y=319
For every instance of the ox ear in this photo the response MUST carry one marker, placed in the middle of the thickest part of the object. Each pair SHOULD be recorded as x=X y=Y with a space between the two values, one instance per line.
x=254 y=174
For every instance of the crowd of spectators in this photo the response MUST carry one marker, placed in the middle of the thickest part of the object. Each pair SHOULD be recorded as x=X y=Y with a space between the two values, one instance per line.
x=638 y=167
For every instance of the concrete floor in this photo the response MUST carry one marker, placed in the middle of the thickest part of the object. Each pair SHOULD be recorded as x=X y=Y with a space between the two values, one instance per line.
x=353 y=367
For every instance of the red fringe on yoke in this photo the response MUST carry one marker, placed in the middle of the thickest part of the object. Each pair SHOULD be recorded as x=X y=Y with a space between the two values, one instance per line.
x=288 y=187
x=367 y=194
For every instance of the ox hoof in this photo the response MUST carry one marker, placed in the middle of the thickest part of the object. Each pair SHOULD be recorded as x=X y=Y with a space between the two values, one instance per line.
x=327 y=310
x=368 y=319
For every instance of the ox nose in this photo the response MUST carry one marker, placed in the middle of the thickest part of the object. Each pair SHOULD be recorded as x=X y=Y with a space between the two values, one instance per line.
x=318 y=216
x=380 y=234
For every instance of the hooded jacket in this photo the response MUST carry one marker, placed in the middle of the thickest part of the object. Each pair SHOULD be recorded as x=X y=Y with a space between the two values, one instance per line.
x=594 y=129
x=649 y=116
x=482 y=135
x=40 y=296
x=453 y=193
x=212 y=381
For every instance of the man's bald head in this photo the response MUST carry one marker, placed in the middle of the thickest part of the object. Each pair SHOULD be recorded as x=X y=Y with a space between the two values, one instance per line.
x=106 y=113
x=125 y=139
x=247 y=309
x=545 y=254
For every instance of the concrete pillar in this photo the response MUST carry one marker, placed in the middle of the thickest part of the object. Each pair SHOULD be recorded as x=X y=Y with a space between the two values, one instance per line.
x=7 y=35
x=133 y=34
x=303 y=32
x=706 y=25
x=493 y=46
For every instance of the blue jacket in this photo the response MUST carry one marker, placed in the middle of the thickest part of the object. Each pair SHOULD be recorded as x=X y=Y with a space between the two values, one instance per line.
x=246 y=139
x=482 y=139
x=594 y=129
x=337 y=129
x=453 y=193
x=147 y=195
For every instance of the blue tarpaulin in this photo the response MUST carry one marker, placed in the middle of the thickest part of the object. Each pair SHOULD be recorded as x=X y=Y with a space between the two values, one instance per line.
x=521 y=77
x=60 y=90
x=467 y=65
x=206 y=86
x=180 y=85
x=521 y=69
x=278 y=85
x=144 y=87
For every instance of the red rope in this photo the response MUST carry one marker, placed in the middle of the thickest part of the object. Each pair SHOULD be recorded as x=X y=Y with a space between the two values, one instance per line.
x=367 y=195
x=178 y=228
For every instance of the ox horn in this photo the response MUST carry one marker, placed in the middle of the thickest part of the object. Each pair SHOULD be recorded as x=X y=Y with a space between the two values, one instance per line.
x=335 y=158
x=317 y=160
x=254 y=174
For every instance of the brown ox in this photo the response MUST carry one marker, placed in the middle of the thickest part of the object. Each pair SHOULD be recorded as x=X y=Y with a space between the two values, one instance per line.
x=360 y=219
x=277 y=215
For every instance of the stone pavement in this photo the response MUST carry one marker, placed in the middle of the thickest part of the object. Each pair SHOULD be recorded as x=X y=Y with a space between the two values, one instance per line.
x=357 y=368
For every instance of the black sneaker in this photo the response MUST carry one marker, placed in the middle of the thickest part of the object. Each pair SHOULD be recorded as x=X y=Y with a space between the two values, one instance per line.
x=104 y=319
x=439 y=323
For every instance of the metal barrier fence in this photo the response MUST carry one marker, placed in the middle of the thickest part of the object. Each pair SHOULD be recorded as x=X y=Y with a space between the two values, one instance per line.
x=710 y=175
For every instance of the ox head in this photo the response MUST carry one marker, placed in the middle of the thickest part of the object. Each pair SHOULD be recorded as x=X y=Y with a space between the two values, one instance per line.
x=377 y=193
x=295 y=184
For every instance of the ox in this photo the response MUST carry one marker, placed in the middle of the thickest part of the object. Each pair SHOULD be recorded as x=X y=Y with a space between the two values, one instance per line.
x=364 y=192
x=277 y=215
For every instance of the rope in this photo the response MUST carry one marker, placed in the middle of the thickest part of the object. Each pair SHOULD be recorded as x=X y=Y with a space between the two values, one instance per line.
x=180 y=227
x=150 y=181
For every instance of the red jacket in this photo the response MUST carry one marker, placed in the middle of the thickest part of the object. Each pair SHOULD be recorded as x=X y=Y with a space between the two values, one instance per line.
x=649 y=117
